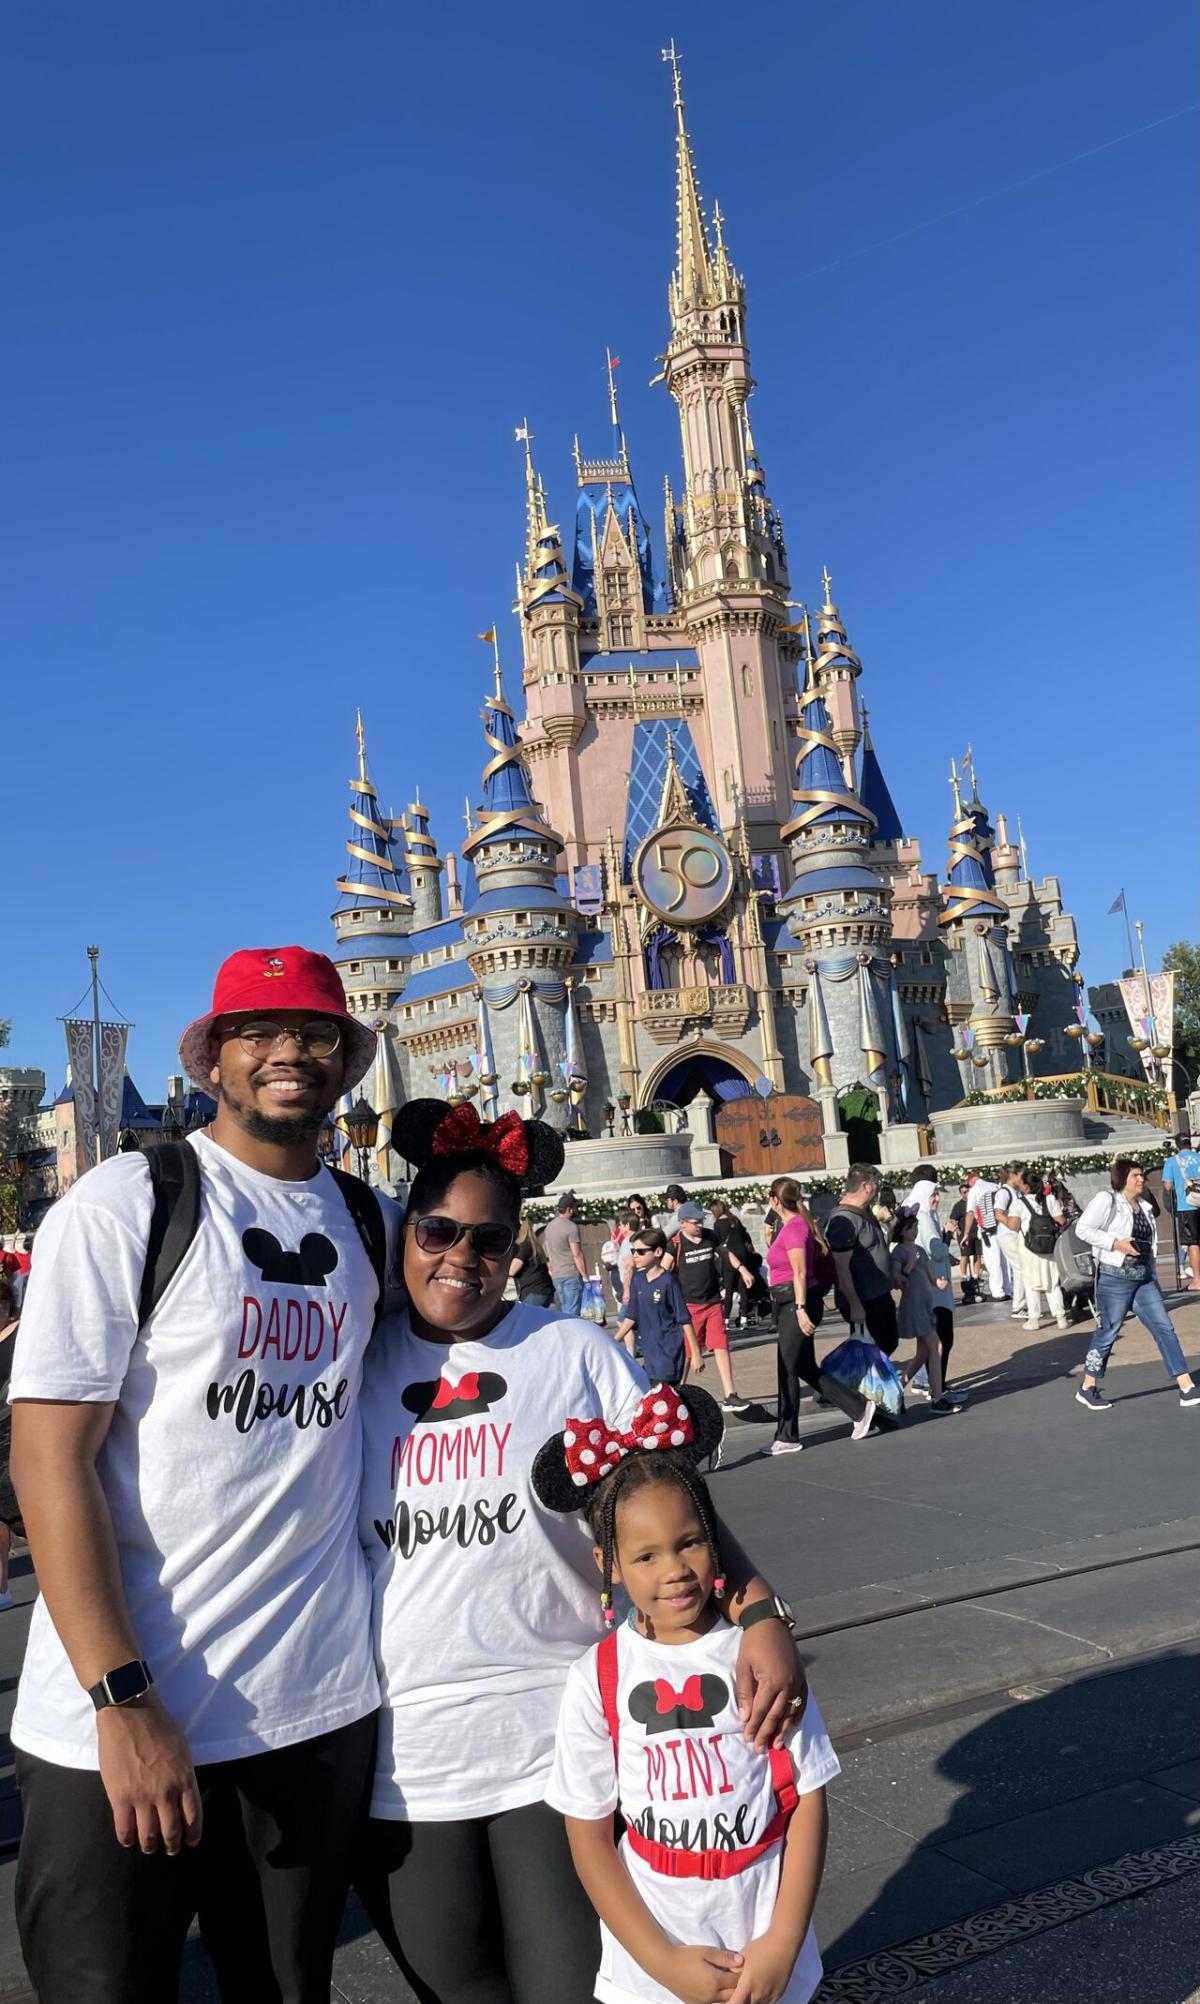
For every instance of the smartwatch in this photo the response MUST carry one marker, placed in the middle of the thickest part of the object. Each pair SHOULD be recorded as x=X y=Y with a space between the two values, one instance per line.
x=122 y=1685
x=771 y=1609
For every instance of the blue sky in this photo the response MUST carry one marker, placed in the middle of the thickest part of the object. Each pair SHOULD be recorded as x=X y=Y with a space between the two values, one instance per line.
x=281 y=279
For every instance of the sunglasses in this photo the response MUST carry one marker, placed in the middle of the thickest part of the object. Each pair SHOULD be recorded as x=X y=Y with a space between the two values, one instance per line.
x=643 y=1252
x=438 y=1235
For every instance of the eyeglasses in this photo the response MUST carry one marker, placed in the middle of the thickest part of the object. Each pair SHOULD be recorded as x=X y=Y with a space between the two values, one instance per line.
x=318 y=1039
x=438 y=1235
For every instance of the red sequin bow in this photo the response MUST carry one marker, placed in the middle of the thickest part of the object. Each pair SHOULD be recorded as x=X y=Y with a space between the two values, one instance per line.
x=463 y=1133
x=593 y=1448
x=668 y=1699
x=449 y=1395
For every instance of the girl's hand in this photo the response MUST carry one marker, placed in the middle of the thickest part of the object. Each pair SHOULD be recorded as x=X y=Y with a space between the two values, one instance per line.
x=767 y=1970
x=807 y=1328
x=769 y=1675
x=701 y=1975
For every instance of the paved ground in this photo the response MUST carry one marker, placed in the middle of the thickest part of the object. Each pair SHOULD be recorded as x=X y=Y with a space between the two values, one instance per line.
x=1002 y=1621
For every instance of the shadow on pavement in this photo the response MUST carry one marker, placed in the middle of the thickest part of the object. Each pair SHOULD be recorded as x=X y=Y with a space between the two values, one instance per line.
x=1044 y=1791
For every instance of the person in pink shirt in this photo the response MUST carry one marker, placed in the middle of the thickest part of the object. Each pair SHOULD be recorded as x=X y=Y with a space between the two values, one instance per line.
x=800 y=1273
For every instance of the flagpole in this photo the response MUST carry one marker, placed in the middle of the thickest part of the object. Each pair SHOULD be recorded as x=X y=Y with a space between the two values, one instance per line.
x=1128 y=934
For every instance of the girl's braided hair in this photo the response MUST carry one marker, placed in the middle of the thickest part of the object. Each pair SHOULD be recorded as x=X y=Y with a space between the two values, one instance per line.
x=639 y=1471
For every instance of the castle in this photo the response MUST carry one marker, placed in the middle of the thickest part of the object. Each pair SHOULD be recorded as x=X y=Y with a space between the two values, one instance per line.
x=685 y=879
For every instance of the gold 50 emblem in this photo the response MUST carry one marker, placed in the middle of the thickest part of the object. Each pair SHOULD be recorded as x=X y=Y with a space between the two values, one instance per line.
x=683 y=874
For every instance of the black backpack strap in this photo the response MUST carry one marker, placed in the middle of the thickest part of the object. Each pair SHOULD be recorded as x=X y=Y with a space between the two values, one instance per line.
x=365 y=1209
x=175 y=1180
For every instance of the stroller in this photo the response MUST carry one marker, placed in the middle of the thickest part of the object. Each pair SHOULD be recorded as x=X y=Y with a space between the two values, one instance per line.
x=1077 y=1272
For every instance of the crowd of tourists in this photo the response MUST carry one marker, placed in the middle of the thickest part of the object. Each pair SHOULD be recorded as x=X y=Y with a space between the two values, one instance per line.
x=365 y=1560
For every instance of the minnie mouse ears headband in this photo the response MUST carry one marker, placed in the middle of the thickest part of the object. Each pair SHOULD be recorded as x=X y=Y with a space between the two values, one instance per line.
x=567 y=1468
x=427 y=1128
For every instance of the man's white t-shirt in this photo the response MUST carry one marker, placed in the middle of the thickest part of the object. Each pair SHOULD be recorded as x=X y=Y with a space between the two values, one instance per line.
x=693 y=1787
x=483 y=1599
x=231 y=1468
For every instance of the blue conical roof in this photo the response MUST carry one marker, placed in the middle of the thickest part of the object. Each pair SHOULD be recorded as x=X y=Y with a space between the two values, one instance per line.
x=877 y=799
x=372 y=874
x=820 y=792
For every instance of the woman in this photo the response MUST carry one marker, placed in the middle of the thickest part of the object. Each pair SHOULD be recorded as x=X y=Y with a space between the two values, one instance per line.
x=482 y=1600
x=1119 y=1225
x=1040 y=1225
x=918 y=1303
x=528 y=1270
x=798 y=1299
x=738 y=1258
x=10 y=1515
x=924 y=1200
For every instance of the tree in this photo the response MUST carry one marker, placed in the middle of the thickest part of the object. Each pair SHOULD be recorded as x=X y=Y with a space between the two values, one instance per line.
x=1183 y=960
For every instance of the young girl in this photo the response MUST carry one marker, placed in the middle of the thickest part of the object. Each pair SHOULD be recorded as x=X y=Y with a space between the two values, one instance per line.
x=658 y=1312
x=918 y=1308
x=710 y=1894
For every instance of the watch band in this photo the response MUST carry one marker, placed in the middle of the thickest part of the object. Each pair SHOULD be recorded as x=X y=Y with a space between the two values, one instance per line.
x=122 y=1685
x=772 y=1609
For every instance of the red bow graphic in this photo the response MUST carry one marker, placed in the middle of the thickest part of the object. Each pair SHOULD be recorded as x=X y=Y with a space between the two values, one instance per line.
x=592 y=1448
x=668 y=1699
x=447 y=1394
x=463 y=1133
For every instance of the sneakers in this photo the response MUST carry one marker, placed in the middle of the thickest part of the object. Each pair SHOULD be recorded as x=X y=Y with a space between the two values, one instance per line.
x=945 y=1405
x=735 y=1405
x=782 y=1447
x=915 y=1391
x=955 y=1396
x=862 y=1427
x=1093 y=1398
x=1189 y=1398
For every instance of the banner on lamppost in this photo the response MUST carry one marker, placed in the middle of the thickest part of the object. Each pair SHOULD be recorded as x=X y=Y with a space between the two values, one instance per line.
x=113 y=1039
x=1155 y=1023
x=80 y=1048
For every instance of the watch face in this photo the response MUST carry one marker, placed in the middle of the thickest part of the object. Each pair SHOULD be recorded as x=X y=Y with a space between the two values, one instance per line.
x=126 y=1683
x=684 y=874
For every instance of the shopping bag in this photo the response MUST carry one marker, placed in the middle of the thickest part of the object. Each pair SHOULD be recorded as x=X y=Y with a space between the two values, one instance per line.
x=862 y=1367
x=591 y=1306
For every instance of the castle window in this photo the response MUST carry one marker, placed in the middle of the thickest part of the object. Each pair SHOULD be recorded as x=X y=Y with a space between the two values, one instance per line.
x=747 y=680
x=356 y=967
x=393 y=967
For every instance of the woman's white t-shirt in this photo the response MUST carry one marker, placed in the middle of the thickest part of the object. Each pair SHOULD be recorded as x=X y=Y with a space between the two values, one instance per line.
x=231 y=1468
x=693 y=1787
x=482 y=1599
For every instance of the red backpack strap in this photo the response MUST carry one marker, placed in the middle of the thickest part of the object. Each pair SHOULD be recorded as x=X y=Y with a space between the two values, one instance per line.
x=606 y=1677
x=783 y=1780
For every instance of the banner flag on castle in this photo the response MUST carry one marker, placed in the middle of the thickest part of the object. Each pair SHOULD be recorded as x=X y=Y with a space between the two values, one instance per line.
x=1156 y=1024
x=79 y=1058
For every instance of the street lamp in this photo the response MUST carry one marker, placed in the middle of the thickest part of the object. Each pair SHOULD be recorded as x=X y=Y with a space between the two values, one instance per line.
x=625 y=1101
x=362 y=1126
x=610 y=1114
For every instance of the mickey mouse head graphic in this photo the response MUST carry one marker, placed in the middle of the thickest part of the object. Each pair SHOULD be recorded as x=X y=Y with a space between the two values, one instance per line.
x=475 y=1392
x=317 y=1258
x=662 y=1709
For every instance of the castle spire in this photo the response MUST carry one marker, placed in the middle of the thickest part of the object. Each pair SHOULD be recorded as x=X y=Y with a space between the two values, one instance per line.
x=372 y=875
x=693 y=281
x=967 y=892
x=535 y=501
x=836 y=670
x=874 y=790
x=507 y=808
x=423 y=863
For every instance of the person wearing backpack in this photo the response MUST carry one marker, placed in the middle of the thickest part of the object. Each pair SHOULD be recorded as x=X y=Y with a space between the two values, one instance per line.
x=1039 y=1229
x=196 y=1718
x=1119 y=1225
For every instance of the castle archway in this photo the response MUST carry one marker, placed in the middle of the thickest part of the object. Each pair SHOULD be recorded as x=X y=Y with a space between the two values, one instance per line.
x=709 y=1069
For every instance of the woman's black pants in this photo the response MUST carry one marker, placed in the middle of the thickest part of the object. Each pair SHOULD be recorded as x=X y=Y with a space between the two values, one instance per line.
x=796 y=1361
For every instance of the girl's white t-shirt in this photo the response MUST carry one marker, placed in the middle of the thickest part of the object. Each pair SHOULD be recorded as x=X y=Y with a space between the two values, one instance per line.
x=482 y=1599
x=231 y=1468
x=685 y=1776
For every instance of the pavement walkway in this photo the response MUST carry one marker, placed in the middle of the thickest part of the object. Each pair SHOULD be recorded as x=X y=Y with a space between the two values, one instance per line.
x=1001 y=1614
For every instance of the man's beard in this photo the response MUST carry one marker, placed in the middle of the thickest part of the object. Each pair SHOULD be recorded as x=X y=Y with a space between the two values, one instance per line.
x=278 y=1130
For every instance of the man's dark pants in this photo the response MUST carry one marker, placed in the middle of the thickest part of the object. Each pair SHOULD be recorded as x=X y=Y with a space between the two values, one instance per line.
x=100 y=1924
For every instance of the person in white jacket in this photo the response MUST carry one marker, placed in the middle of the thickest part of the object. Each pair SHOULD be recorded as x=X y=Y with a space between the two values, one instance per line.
x=1119 y=1226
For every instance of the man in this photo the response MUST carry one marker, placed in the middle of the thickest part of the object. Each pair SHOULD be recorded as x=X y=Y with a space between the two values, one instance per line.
x=981 y=1200
x=1181 y=1188
x=195 y=1722
x=1011 y=1212
x=863 y=1289
x=563 y=1248
x=673 y=1196
x=698 y=1266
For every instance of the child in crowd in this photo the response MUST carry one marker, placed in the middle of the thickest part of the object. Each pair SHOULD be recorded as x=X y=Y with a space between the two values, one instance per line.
x=658 y=1313
x=916 y=1317
x=710 y=1893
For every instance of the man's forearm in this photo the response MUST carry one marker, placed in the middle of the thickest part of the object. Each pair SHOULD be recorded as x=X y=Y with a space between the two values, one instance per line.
x=71 y=1538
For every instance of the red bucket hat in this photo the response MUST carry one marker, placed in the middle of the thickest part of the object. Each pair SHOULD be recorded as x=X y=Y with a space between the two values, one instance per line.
x=260 y=979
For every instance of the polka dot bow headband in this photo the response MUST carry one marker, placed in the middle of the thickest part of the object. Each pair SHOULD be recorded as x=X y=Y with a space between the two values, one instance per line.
x=592 y=1449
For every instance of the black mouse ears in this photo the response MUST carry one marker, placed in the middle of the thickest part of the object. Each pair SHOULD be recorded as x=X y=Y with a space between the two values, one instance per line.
x=673 y=1420
x=427 y=1128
